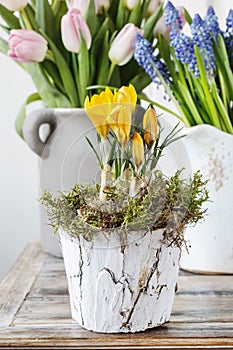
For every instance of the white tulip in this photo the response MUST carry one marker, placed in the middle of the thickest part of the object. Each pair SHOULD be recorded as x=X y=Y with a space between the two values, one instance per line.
x=14 y=5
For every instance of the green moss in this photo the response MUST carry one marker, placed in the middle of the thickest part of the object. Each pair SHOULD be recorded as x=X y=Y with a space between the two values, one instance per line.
x=167 y=203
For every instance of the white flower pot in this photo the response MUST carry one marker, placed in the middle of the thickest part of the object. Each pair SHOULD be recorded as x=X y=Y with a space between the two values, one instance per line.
x=211 y=151
x=120 y=283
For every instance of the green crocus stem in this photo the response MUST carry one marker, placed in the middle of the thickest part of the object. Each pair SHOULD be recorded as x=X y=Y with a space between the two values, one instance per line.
x=111 y=70
x=26 y=20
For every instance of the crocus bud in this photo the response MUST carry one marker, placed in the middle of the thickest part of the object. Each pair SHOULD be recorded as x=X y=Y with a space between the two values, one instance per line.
x=72 y=25
x=26 y=46
x=100 y=4
x=152 y=7
x=150 y=126
x=137 y=149
x=14 y=5
x=161 y=28
x=121 y=50
x=130 y=4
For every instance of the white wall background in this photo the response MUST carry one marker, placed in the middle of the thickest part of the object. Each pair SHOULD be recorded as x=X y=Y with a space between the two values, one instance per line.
x=19 y=217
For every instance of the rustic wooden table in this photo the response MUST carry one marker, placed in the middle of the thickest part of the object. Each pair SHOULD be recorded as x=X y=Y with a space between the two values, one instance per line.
x=35 y=313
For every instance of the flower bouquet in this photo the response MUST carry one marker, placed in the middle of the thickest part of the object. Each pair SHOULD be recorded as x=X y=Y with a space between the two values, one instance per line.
x=196 y=70
x=67 y=46
x=121 y=237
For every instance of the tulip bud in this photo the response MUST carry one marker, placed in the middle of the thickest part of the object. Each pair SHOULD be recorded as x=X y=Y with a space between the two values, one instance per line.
x=137 y=149
x=14 y=5
x=100 y=4
x=150 y=126
x=152 y=7
x=130 y=4
x=80 y=5
x=161 y=28
x=121 y=50
x=72 y=24
x=26 y=46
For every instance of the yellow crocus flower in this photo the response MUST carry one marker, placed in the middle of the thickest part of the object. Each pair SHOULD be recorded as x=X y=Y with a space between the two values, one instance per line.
x=126 y=95
x=98 y=108
x=137 y=149
x=120 y=122
x=150 y=126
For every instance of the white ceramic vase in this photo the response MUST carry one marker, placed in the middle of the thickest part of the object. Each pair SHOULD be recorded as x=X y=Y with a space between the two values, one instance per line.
x=120 y=283
x=211 y=151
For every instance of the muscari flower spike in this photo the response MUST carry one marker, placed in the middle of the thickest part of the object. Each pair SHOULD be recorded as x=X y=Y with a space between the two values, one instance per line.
x=171 y=16
x=202 y=39
x=228 y=35
x=211 y=22
x=143 y=54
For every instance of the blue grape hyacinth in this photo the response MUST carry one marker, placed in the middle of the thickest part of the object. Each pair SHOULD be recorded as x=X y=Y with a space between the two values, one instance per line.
x=171 y=16
x=211 y=23
x=143 y=54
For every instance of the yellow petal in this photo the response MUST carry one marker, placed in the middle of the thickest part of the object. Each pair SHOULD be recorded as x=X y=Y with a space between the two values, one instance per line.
x=150 y=126
x=98 y=108
x=137 y=149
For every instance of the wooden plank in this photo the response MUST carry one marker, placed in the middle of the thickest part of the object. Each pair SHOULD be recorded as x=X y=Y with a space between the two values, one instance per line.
x=61 y=337
x=202 y=316
x=16 y=285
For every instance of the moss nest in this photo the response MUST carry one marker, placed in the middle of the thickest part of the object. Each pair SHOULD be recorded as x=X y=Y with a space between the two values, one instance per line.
x=165 y=203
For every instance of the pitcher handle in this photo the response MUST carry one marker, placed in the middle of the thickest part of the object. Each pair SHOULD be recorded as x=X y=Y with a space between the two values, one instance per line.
x=31 y=127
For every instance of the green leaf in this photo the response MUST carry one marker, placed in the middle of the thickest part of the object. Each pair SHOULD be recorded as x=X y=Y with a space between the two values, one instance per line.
x=136 y=14
x=22 y=113
x=30 y=13
x=190 y=103
x=9 y=18
x=45 y=18
x=51 y=96
x=65 y=73
x=187 y=16
x=3 y=46
x=206 y=88
x=84 y=70
x=91 y=17
x=151 y=22
x=222 y=110
x=121 y=13
x=103 y=66
x=140 y=81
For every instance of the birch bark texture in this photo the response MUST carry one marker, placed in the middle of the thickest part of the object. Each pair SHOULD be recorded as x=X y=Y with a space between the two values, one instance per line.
x=118 y=282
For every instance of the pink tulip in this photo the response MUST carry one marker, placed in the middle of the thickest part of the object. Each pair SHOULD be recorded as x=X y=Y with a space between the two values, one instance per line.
x=14 y=5
x=121 y=50
x=80 y=5
x=161 y=27
x=152 y=7
x=72 y=24
x=26 y=46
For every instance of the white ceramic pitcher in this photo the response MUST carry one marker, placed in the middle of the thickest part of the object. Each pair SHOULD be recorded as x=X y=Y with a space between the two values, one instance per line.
x=211 y=151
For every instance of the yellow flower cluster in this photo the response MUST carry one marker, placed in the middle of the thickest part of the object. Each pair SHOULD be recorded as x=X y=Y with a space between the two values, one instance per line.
x=114 y=111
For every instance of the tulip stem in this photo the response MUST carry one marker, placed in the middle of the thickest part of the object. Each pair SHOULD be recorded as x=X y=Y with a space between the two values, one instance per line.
x=111 y=70
x=26 y=20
